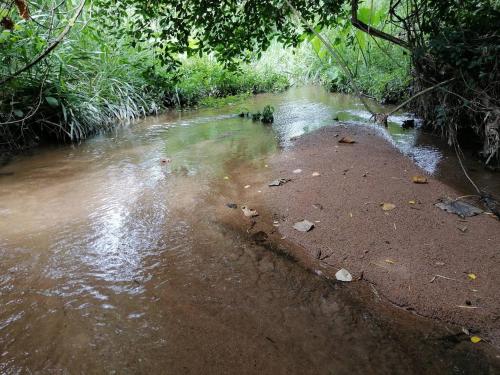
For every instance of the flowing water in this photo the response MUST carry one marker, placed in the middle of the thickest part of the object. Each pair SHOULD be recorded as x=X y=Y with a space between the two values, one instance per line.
x=114 y=262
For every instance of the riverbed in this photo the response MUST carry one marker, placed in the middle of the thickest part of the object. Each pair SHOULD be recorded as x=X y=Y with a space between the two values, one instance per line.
x=113 y=260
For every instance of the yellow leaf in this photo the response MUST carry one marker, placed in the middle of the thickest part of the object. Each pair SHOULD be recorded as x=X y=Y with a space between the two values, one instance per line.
x=226 y=178
x=475 y=339
x=388 y=206
x=471 y=276
x=412 y=202
x=419 y=179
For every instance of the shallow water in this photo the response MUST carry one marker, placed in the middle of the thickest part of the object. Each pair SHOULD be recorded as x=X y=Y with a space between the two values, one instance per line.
x=115 y=262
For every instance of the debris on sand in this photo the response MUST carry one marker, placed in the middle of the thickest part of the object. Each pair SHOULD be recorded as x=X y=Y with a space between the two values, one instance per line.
x=458 y=207
x=303 y=226
x=279 y=182
x=347 y=140
x=249 y=212
x=343 y=275
x=419 y=180
x=387 y=206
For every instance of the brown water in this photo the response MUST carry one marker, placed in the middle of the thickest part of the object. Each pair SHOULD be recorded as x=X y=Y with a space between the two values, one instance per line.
x=113 y=262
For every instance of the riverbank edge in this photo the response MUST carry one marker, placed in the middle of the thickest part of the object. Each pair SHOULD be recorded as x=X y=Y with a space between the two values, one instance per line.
x=388 y=250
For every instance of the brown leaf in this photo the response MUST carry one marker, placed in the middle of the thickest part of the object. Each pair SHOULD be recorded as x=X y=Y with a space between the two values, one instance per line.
x=22 y=6
x=419 y=179
x=347 y=140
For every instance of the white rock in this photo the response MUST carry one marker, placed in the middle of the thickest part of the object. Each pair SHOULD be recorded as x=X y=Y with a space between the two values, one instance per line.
x=343 y=275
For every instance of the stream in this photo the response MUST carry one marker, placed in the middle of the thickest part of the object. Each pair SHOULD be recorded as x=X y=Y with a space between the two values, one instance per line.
x=114 y=261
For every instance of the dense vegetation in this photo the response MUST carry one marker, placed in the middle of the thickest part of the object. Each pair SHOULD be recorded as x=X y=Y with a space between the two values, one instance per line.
x=128 y=58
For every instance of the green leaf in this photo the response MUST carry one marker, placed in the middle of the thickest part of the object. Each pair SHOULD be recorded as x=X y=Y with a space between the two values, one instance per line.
x=53 y=102
x=18 y=113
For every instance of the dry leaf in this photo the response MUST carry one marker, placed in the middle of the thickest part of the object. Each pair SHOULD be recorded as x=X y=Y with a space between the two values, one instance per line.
x=475 y=339
x=412 y=202
x=303 y=226
x=388 y=206
x=249 y=212
x=472 y=276
x=22 y=6
x=347 y=140
x=226 y=178
x=419 y=179
x=247 y=186
x=316 y=174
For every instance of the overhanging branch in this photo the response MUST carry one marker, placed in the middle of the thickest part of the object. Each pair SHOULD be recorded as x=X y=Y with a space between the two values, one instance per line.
x=372 y=31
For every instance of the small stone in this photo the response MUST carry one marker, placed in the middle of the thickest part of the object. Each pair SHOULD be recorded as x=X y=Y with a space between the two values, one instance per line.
x=343 y=275
x=303 y=226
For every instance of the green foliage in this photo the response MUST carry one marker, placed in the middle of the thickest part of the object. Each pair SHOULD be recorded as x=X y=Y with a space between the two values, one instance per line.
x=95 y=80
x=230 y=29
x=268 y=114
x=199 y=78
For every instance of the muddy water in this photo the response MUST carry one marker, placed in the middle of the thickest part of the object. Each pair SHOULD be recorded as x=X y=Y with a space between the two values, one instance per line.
x=113 y=262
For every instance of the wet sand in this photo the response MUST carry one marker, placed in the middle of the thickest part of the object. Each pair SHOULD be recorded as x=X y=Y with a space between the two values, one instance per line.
x=416 y=256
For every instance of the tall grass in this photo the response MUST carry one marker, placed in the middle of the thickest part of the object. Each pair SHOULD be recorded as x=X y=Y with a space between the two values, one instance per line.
x=94 y=81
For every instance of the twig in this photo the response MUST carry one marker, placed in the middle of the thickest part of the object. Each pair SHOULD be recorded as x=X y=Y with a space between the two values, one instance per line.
x=442 y=277
x=417 y=95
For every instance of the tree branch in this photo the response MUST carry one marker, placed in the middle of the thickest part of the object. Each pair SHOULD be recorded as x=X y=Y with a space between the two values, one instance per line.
x=372 y=31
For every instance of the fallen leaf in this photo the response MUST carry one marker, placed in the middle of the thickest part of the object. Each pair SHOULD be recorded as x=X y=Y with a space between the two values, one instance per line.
x=458 y=207
x=247 y=186
x=22 y=6
x=266 y=166
x=343 y=275
x=297 y=171
x=472 y=276
x=475 y=339
x=249 y=212
x=412 y=202
x=303 y=226
x=419 y=179
x=316 y=174
x=387 y=206
x=350 y=214
x=462 y=229
x=226 y=178
x=347 y=140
